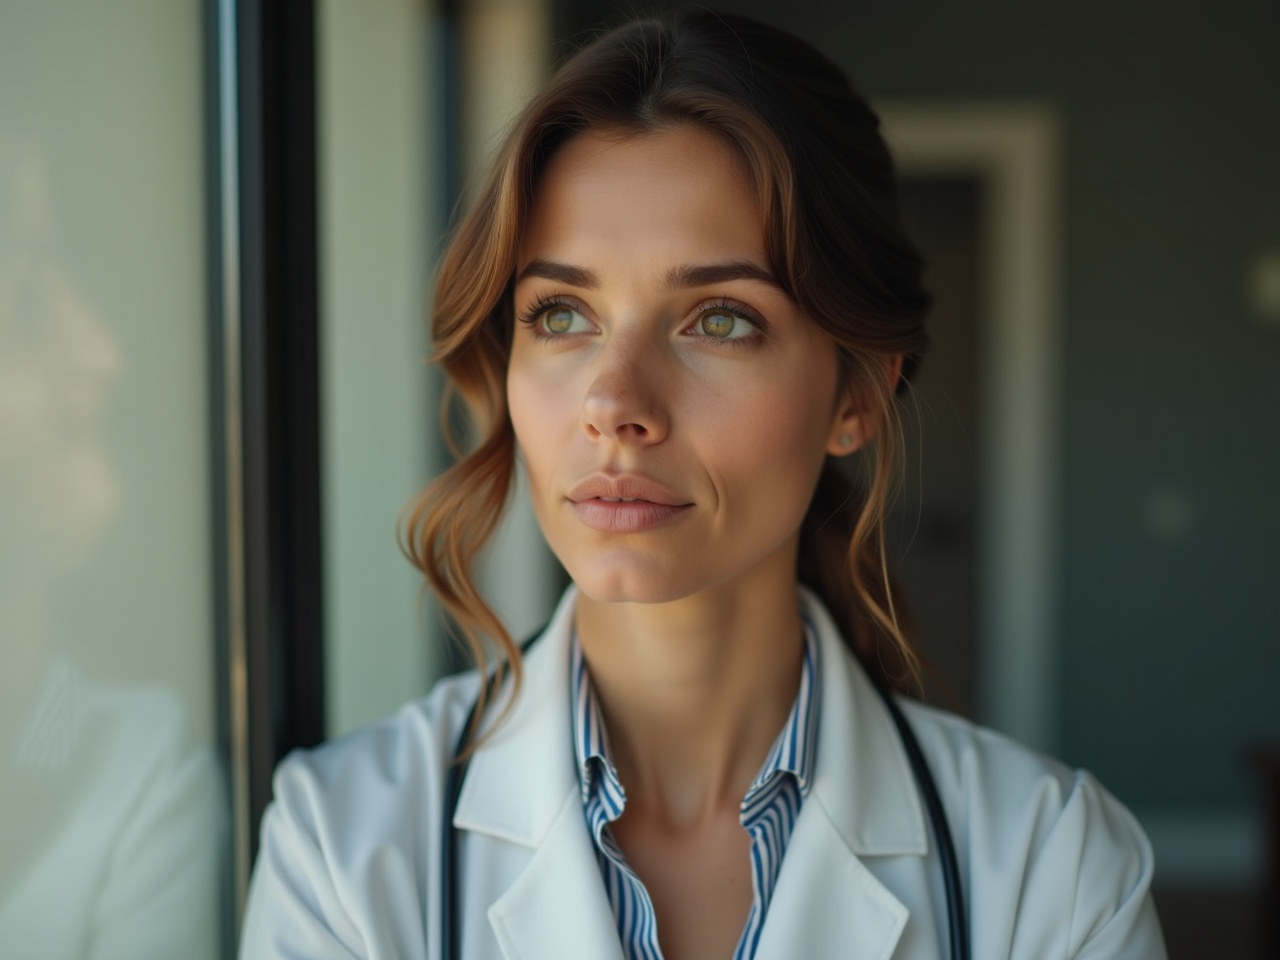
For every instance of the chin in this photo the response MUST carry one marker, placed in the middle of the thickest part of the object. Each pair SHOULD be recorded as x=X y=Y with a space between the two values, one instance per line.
x=604 y=582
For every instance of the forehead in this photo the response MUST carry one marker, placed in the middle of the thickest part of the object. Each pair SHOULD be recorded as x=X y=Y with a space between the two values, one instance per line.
x=678 y=194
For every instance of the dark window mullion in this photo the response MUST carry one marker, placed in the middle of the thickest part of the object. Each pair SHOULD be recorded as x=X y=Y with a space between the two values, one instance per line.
x=279 y=351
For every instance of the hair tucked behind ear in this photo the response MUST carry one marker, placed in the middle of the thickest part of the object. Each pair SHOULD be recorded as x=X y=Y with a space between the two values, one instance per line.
x=842 y=548
x=824 y=181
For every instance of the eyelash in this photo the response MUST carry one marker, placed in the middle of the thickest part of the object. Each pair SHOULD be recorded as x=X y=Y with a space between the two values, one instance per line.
x=541 y=306
x=723 y=305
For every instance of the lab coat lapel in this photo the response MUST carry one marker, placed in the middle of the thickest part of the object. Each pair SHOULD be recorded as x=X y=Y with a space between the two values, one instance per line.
x=557 y=909
x=863 y=803
x=522 y=788
x=827 y=904
x=862 y=775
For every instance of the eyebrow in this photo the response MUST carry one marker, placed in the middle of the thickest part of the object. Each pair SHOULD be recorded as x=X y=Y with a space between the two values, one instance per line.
x=689 y=275
x=560 y=272
x=677 y=278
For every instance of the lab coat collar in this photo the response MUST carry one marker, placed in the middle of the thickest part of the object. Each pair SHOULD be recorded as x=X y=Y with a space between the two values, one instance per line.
x=863 y=777
x=522 y=788
x=518 y=780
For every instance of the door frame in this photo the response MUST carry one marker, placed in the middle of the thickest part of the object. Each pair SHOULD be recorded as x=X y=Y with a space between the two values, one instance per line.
x=1014 y=151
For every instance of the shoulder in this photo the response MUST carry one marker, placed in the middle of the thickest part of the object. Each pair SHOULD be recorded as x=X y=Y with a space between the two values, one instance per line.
x=965 y=754
x=349 y=827
x=986 y=775
x=405 y=753
x=1048 y=837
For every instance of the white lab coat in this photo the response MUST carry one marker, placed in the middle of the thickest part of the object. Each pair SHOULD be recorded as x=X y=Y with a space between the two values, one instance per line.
x=1053 y=866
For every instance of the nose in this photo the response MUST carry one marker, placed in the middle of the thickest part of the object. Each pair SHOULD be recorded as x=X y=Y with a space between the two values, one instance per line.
x=624 y=402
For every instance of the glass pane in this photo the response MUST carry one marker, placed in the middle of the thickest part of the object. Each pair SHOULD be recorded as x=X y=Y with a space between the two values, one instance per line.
x=382 y=156
x=113 y=819
x=379 y=163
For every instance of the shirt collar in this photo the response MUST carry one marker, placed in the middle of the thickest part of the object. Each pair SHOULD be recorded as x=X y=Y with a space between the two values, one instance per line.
x=793 y=752
x=590 y=737
x=796 y=746
x=520 y=780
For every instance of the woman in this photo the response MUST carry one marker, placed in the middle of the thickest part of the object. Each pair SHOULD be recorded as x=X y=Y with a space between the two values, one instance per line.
x=683 y=296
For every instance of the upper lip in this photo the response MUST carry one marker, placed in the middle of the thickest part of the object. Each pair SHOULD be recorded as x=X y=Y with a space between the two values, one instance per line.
x=625 y=486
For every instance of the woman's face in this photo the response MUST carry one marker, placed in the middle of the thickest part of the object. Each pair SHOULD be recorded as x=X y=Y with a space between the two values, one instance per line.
x=673 y=406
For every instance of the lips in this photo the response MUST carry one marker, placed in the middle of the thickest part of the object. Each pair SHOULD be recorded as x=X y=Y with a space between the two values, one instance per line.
x=625 y=486
x=625 y=503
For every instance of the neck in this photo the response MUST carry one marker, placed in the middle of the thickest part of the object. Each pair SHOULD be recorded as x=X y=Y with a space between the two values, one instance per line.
x=694 y=692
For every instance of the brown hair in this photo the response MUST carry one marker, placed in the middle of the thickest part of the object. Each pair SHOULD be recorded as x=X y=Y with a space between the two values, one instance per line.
x=825 y=183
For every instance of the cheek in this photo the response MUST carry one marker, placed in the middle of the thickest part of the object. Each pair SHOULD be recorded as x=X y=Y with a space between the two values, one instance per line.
x=540 y=414
x=771 y=445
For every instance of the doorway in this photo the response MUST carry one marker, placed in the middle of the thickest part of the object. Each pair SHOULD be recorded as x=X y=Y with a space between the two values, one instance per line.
x=932 y=529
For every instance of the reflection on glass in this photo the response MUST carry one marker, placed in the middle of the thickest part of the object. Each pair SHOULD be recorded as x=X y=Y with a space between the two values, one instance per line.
x=108 y=845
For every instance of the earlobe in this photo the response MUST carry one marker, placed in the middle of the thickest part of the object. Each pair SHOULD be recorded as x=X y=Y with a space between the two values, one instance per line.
x=849 y=428
x=847 y=436
x=854 y=425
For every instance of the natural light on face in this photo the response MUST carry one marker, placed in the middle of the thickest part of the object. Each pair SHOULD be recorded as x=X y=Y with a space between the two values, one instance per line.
x=672 y=404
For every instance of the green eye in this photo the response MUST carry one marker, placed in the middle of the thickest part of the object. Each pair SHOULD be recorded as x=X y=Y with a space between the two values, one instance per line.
x=718 y=325
x=559 y=320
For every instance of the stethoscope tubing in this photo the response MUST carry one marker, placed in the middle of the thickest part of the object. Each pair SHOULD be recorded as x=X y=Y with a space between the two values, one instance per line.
x=957 y=917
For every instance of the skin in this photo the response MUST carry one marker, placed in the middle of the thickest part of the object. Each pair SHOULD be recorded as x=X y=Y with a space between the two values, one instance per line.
x=727 y=395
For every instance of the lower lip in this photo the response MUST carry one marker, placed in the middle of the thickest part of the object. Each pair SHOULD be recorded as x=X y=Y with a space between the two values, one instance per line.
x=634 y=517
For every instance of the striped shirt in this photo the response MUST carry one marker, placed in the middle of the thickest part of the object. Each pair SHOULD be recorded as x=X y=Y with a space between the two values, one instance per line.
x=768 y=811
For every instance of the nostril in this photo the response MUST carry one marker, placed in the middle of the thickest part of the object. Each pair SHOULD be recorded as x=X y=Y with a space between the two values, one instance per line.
x=620 y=408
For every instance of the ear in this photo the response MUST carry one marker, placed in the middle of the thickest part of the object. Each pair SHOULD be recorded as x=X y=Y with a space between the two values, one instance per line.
x=854 y=423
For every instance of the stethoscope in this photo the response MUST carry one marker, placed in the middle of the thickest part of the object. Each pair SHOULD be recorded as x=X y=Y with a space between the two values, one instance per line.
x=957 y=919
